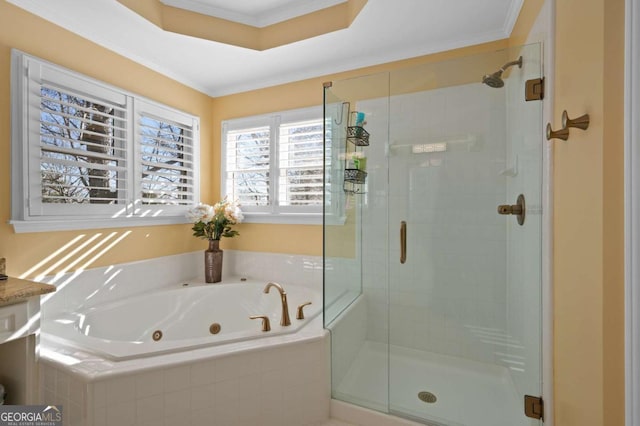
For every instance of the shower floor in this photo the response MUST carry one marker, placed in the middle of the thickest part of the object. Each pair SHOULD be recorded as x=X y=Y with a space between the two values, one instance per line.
x=468 y=393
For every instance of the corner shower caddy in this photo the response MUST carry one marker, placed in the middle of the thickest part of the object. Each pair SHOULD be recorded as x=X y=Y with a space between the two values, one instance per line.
x=355 y=178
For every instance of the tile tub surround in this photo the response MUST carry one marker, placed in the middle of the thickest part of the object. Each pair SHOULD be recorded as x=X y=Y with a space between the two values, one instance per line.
x=282 y=379
x=281 y=384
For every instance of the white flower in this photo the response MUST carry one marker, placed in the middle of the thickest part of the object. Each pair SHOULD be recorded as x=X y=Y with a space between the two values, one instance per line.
x=201 y=213
x=232 y=212
x=239 y=215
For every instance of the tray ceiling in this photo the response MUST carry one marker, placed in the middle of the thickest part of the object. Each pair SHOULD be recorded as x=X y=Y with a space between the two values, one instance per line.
x=383 y=31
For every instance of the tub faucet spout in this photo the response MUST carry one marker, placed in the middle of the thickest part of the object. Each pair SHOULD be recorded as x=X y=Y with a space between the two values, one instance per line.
x=284 y=321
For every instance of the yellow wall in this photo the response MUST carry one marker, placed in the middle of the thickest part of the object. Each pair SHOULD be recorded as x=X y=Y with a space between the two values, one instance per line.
x=588 y=215
x=21 y=30
x=613 y=217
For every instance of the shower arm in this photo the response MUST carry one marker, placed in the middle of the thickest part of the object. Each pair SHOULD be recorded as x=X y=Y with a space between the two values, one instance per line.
x=512 y=63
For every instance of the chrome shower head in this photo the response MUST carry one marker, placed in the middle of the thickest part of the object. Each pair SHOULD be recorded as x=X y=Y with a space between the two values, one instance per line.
x=495 y=80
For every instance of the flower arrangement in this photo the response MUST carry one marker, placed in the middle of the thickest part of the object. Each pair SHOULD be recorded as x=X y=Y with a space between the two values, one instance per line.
x=214 y=222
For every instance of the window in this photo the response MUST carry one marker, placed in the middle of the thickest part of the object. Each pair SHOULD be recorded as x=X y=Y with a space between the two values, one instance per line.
x=86 y=151
x=273 y=164
x=165 y=158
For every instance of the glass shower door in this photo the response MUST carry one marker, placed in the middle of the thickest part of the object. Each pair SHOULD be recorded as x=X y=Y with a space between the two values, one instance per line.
x=356 y=241
x=464 y=282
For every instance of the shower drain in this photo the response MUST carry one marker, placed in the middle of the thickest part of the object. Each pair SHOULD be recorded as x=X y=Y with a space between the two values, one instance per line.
x=427 y=397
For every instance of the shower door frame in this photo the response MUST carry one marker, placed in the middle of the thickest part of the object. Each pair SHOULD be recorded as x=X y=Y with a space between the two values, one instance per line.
x=632 y=210
x=546 y=37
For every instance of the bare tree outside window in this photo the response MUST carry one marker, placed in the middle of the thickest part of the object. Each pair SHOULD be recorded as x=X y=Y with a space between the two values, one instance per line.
x=80 y=155
x=166 y=158
x=248 y=166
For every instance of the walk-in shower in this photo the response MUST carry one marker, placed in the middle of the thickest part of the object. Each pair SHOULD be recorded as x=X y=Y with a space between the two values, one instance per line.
x=432 y=297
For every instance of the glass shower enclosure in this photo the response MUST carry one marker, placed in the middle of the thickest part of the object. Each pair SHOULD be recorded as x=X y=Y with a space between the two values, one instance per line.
x=432 y=240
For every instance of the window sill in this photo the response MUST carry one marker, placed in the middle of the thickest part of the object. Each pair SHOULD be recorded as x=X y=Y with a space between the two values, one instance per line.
x=73 y=224
x=290 y=218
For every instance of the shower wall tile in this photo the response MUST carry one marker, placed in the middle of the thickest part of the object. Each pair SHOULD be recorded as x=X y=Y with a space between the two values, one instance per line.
x=376 y=327
x=454 y=277
x=283 y=268
x=348 y=334
x=343 y=285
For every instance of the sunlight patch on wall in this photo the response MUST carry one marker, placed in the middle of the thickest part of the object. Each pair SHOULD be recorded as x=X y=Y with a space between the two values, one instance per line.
x=75 y=256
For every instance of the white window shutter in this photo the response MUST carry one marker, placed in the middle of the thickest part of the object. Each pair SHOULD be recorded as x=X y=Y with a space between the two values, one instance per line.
x=247 y=169
x=301 y=154
x=77 y=144
x=88 y=155
x=166 y=159
x=274 y=165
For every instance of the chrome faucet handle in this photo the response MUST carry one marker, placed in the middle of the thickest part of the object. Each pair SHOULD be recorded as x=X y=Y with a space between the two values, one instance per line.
x=266 y=324
x=300 y=314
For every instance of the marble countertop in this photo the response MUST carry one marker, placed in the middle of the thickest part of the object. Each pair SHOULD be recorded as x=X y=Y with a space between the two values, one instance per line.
x=15 y=290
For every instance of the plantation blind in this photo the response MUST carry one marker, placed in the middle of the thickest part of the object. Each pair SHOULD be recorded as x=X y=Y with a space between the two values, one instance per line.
x=77 y=143
x=166 y=159
x=248 y=160
x=301 y=153
x=85 y=150
x=273 y=165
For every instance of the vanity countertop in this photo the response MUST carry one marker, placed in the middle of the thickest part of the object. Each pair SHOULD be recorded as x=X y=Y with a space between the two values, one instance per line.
x=16 y=290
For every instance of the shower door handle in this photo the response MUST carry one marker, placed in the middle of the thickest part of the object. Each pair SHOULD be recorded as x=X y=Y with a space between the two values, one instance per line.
x=519 y=209
x=403 y=241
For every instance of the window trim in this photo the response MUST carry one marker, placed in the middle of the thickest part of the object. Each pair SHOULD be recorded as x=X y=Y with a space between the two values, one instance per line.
x=22 y=147
x=302 y=215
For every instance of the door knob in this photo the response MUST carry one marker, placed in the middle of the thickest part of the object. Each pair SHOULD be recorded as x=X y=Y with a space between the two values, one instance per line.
x=518 y=209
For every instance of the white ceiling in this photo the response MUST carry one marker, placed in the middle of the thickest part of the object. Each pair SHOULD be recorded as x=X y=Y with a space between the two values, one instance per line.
x=258 y=13
x=384 y=31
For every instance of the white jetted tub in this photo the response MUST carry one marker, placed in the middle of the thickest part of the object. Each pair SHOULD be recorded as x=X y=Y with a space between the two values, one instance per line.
x=193 y=315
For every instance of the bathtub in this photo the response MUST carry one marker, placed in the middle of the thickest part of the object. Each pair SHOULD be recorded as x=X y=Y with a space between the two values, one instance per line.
x=189 y=316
